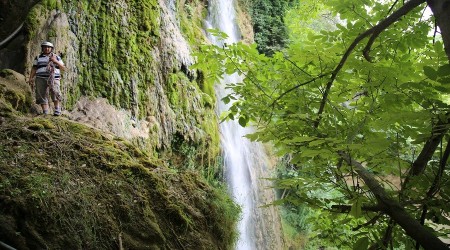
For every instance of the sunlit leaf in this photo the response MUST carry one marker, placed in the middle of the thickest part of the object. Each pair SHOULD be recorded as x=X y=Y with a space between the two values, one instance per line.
x=316 y=143
x=356 y=210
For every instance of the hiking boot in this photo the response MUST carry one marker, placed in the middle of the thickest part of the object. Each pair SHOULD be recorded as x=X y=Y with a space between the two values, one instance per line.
x=57 y=112
x=45 y=112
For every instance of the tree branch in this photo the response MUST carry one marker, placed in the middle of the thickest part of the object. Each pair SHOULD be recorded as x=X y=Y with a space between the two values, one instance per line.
x=368 y=223
x=6 y=40
x=347 y=208
x=377 y=28
x=441 y=11
x=437 y=179
x=296 y=66
x=392 y=6
x=383 y=244
x=296 y=87
x=439 y=130
x=405 y=9
x=395 y=210
x=436 y=185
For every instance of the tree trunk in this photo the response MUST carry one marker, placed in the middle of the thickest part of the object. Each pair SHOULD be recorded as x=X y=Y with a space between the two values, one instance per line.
x=441 y=11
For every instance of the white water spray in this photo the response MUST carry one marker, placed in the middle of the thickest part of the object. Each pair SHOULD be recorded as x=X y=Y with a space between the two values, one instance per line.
x=244 y=161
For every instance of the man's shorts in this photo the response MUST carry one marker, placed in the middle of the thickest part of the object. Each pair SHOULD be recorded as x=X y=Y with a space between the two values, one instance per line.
x=43 y=90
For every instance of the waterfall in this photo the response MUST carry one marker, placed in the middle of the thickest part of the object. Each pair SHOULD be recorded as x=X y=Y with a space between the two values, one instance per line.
x=245 y=162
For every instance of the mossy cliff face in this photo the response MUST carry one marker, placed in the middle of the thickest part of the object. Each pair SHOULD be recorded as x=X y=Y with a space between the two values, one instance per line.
x=65 y=185
x=138 y=183
x=134 y=55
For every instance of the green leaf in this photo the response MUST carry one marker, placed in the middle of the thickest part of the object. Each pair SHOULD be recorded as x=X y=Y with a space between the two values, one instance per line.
x=302 y=139
x=405 y=88
x=217 y=33
x=316 y=142
x=444 y=70
x=443 y=80
x=361 y=244
x=310 y=153
x=243 y=120
x=226 y=99
x=430 y=72
x=356 y=207
x=297 y=158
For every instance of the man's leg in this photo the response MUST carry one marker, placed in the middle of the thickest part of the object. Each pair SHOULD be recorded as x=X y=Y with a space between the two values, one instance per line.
x=57 y=108
x=41 y=94
x=44 y=109
x=56 y=97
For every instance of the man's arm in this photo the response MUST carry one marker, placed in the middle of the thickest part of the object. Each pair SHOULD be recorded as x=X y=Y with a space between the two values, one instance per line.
x=32 y=75
x=60 y=64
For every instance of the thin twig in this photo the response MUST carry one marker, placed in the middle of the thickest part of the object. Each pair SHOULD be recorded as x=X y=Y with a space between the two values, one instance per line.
x=374 y=31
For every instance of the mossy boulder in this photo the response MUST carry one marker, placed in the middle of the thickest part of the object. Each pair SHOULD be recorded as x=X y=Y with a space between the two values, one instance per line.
x=15 y=94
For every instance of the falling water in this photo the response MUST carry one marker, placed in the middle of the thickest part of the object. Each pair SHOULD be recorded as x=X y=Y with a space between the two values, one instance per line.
x=245 y=162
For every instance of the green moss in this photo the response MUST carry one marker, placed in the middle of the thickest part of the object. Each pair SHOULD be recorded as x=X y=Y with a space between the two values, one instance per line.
x=146 y=21
x=172 y=90
x=211 y=147
x=6 y=73
x=85 y=186
x=52 y=4
x=14 y=92
x=38 y=185
x=44 y=123
x=16 y=99
x=41 y=124
x=5 y=108
x=123 y=45
x=72 y=96
x=192 y=15
x=115 y=61
x=34 y=18
x=36 y=126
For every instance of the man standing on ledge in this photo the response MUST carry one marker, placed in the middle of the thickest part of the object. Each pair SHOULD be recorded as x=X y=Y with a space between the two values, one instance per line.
x=46 y=70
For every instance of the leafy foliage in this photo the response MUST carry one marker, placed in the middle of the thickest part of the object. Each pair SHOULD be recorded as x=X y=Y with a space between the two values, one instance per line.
x=268 y=24
x=370 y=128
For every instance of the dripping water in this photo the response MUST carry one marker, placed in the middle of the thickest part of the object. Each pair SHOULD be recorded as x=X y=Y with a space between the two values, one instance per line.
x=244 y=161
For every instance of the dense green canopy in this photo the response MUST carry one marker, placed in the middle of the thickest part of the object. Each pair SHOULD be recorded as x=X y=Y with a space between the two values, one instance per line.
x=359 y=105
